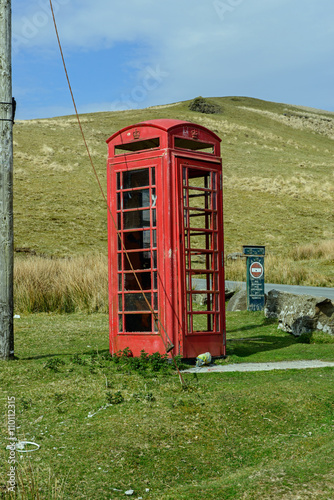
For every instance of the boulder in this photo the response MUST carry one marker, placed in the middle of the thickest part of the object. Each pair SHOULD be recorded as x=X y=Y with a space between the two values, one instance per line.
x=229 y=292
x=238 y=302
x=298 y=314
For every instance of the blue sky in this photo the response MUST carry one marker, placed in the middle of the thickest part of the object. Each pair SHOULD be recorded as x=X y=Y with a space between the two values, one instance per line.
x=124 y=54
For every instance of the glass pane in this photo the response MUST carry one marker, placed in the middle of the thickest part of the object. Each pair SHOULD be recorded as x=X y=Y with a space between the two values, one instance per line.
x=120 y=323
x=119 y=262
x=189 y=323
x=136 y=240
x=185 y=200
x=154 y=198
x=154 y=218
x=120 y=282
x=136 y=199
x=137 y=302
x=136 y=219
x=215 y=262
x=189 y=301
x=217 y=303
x=139 y=260
x=214 y=180
x=131 y=283
x=120 y=303
x=155 y=259
x=138 y=322
x=215 y=218
x=199 y=179
x=155 y=301
x=186 y=240
x=154 y=238
x=155 y=281
x=119 y=221
x=119 y=201
x=136 y=178
x=153 y=175
x=214 y=201
x=118 y=180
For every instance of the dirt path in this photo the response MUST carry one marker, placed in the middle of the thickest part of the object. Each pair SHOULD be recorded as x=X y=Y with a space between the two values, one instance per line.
x=256 y=367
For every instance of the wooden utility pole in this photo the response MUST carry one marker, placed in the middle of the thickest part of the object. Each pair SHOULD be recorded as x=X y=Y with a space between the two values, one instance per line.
x=6 y=184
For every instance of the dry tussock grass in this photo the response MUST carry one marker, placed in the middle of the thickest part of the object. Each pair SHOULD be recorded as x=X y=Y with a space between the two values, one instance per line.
x=47 y=150
x=321 y=250
x=291 y=273
x=44 y=161
x=25 y=157
x=57 y=167
x=55 y=122
x=225 y=127
x=316 y=122
x=61 y=285
x=294 y=186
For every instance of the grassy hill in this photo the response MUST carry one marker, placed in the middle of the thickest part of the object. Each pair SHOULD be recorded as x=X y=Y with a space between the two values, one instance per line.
x=278 y=182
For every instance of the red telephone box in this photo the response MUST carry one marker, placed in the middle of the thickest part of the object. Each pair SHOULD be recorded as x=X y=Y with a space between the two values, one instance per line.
x=165 y=225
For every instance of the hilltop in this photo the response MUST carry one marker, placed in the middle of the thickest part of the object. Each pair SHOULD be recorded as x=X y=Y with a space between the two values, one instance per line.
x=278 y=177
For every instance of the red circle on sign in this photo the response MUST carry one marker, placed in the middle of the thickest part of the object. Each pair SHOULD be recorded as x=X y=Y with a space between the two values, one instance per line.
x=256 y=270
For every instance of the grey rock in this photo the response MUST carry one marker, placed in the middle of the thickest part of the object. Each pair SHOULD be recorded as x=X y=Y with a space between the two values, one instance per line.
x=229 y=292
x=234 y=256
x=238 y=302
x=298 y=314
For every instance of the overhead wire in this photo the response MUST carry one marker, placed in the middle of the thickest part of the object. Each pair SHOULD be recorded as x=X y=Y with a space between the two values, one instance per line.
x=167 y=344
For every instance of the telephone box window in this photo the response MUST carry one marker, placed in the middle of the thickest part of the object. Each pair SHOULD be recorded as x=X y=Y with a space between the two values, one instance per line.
x=182 y=143
x=135 y=146
x=136 y=207
x=136 y=178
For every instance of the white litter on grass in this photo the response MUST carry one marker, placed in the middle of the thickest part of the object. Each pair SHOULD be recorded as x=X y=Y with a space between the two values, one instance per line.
x=20 y=445
x=17 y=316
x=129 y=492
x=91 y=414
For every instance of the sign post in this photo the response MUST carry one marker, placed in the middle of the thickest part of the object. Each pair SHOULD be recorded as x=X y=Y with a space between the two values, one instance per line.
x=255 y=276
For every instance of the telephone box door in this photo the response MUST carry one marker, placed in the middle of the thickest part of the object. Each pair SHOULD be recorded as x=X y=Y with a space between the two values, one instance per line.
x=202 y=255
x=134 y=283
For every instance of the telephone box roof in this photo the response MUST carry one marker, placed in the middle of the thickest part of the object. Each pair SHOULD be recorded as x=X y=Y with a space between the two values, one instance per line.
x=165 y=124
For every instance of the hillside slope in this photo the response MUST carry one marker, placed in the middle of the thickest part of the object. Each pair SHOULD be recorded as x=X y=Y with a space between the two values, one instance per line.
x=278 y=166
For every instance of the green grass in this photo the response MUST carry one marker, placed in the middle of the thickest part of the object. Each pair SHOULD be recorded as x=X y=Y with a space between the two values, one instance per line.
x=239 y=435
x=254 y=338
x=278 y=179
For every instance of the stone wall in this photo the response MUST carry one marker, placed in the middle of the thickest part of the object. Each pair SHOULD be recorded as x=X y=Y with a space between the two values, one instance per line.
x=298 y=314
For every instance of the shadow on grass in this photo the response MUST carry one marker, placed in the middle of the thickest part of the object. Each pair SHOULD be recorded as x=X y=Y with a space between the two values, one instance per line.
x=63 y=354
x=247 y=343
x=265 y=322
x=252 y=345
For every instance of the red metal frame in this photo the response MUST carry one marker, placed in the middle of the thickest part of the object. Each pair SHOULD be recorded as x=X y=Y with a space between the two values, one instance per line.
x=156 y=172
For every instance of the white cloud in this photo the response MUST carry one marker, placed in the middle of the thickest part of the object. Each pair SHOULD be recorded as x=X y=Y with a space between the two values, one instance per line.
x=205 y=47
